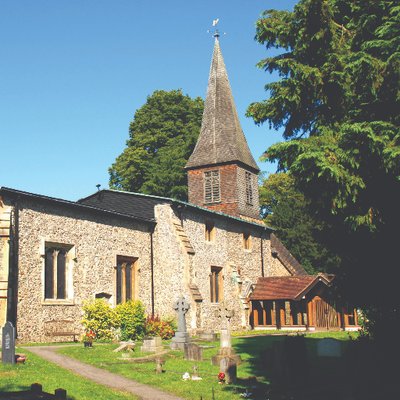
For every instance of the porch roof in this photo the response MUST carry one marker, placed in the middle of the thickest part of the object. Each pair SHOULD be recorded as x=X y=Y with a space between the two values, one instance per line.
x=287 y=287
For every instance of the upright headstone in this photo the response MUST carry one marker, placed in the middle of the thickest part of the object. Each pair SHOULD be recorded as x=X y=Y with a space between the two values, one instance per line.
x=152 y=345
x=193 y=352
x=8 y=345
x=329 y=348
x=181 y=337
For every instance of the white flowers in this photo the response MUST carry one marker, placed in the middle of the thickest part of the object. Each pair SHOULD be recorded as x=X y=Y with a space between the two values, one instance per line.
x=186 y=376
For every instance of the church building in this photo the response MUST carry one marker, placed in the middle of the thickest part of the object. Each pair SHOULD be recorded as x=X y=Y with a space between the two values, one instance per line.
x=214 y=249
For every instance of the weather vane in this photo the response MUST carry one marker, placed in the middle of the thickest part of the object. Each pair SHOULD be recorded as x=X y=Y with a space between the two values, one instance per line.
x=214 y=31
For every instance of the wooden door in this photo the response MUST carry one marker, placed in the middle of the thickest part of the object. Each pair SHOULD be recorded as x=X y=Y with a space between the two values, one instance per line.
x=326 y=316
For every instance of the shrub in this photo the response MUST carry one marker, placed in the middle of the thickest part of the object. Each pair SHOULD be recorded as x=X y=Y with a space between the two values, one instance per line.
x=156 y=327
x=131 y=320
x=100 y=318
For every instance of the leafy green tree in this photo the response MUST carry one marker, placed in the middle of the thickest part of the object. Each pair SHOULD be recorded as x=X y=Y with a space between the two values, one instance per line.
x=338 y=100
x=285 y=209
x=162 y=136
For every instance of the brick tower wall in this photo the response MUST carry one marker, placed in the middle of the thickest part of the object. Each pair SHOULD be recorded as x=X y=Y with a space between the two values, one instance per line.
x=228 y=189
x=233 y=191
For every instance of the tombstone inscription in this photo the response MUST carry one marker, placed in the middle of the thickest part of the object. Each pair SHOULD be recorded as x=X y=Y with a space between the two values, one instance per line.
x=8 y=344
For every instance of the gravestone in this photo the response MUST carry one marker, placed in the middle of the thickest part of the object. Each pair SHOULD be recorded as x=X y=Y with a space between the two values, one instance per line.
x=193 y=352
x=159 y=365
x=329 y=348
x=229 y=368
x=208 y=336
x=181 y=337
x=125 y=346
x=152 y=345
x=226 y=349
x=225 y=338
x=8 y=344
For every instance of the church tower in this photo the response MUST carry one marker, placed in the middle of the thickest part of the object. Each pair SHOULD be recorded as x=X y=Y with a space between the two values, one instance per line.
x=222 y=173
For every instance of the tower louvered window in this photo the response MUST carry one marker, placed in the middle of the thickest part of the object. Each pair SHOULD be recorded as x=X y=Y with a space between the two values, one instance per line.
x=212 y=193
x=249 y=188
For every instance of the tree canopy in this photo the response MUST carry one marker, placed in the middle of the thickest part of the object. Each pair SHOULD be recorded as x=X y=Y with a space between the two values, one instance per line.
x=162 y=136
x=285 y=209
x=337 y=101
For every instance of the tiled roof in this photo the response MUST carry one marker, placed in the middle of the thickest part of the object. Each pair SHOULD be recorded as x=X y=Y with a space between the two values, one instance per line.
x=91 y=207
x=142 y=205
x=282 y=253
x=287 y=287
x=125 y=202
x=221 y=137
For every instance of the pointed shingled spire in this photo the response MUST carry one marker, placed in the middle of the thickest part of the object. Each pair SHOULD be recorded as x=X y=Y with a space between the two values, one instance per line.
x=221 y=137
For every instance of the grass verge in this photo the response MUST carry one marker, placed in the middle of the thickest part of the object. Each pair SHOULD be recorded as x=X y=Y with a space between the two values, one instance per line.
x=251 y=372
x=36 y=370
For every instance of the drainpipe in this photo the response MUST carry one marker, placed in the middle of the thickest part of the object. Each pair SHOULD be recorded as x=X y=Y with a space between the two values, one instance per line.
x=262 y=255
x=152 y=269
x=12 y=291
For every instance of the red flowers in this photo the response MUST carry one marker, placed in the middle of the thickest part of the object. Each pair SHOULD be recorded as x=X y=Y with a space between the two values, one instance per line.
x=221 y=377
x=89 y=336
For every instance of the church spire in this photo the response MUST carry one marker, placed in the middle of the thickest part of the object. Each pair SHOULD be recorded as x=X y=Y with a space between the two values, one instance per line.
x=222 y=173
x=221 y=137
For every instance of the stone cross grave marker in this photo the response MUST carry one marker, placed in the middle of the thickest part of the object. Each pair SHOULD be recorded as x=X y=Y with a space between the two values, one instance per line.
x=8 y=345
x=181 y=306
x=125 y=346
x=226 y=349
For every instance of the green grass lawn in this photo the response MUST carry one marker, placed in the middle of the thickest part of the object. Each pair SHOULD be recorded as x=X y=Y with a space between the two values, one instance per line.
x=253 y=371
x=36 y=370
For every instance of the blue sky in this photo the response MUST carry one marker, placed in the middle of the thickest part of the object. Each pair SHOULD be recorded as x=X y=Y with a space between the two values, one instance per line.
x=73 y=72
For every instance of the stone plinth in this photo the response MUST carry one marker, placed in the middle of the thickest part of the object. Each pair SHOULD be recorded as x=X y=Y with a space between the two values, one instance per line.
x=229 y=368
x=152 y=345
x=179 y=340
x=225 y=352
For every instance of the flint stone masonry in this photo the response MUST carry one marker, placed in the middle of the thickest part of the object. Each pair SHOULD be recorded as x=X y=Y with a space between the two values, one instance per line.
x=97 y=240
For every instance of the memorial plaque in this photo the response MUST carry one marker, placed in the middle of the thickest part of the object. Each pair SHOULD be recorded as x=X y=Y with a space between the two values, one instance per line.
x=8 y=345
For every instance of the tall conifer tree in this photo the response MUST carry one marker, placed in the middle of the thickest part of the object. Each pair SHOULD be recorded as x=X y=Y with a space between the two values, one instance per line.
x=338 y=102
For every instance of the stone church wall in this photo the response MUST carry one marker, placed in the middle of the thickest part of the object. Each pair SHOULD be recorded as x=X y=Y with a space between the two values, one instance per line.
x=170 y=263
x=96 y=241
x=240 y=267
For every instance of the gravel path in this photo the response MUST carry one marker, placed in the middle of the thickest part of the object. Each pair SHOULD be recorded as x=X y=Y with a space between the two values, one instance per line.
x=101 y=376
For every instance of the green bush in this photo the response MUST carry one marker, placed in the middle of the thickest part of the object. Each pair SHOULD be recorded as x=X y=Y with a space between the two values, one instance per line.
x=131 y=320
x=100 y=318
x=156 y=327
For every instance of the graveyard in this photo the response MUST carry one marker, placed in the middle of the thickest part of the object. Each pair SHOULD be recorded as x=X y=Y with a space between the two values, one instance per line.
x=265 y=366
